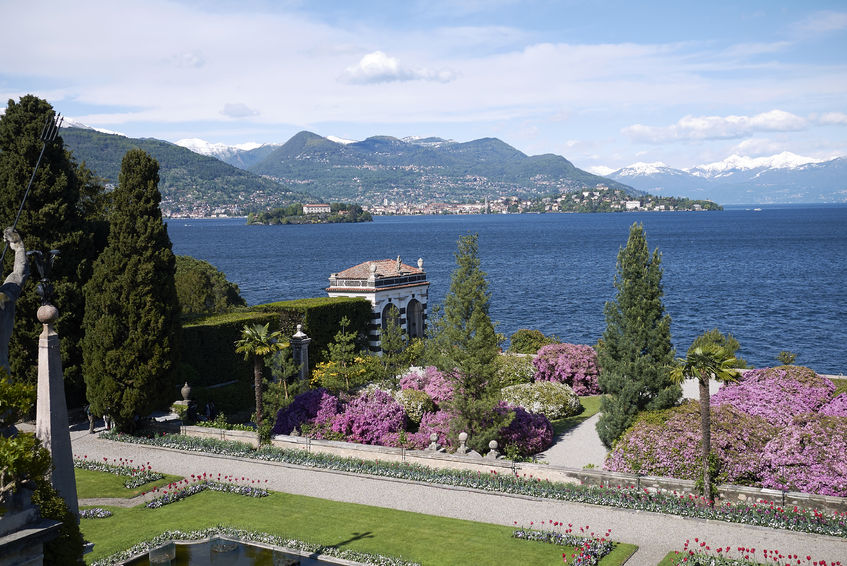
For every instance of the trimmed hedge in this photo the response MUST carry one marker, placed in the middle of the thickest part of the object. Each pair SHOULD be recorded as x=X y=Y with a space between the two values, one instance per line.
x=208 y=351
x=320 y=317
x=208 y=347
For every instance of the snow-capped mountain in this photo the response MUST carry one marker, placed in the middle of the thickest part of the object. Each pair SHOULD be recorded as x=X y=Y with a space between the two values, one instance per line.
x=342 y=141
x=71 y=123
x=241 y=155
x=737 y=163
x=782 y=178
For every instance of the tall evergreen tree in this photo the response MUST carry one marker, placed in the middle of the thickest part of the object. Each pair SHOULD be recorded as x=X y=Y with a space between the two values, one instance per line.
x=63 y=211
x=469 y=343
x=635 y=354
x=132 y=313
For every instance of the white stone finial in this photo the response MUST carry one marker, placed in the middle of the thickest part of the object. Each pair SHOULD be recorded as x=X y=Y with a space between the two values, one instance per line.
x=299 y=333
x=420 y=263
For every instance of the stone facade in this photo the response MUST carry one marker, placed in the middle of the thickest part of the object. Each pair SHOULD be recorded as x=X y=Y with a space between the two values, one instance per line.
x=388 y=284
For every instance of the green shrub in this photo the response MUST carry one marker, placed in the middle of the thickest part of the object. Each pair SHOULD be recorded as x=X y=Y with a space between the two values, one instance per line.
x=67 y=548
x=415 y=403
x=554 y=400
x=512 y=370
x=526 y=341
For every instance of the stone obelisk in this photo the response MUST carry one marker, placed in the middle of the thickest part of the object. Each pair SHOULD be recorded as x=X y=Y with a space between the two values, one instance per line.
x=51 y=413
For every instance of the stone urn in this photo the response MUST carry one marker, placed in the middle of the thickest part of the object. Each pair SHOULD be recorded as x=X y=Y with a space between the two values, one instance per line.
x=186 y=392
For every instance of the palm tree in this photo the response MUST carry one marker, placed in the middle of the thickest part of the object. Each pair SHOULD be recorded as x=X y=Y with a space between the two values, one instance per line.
x=258 y=341
x=706 y=360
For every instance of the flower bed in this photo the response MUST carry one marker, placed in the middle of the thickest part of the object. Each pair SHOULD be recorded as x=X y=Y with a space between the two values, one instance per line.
x=625 y=497
x=94 y=513
x=174 y=492
x=252 y=536
x=590 y=549
x=139 y=474
x=698 y=553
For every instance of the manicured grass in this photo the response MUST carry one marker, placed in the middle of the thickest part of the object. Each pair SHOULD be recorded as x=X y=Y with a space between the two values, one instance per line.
x=422 y=538
x=590 y=406
x=103 y=484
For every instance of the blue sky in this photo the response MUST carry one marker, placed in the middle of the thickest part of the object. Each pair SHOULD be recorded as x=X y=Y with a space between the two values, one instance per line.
x=602 y=83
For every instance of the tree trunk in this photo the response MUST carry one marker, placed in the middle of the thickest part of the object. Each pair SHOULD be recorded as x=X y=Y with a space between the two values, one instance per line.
x=257 y=384
x=706 y=432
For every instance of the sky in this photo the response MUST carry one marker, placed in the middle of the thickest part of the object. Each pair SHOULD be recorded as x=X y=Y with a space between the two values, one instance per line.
x=605 y=84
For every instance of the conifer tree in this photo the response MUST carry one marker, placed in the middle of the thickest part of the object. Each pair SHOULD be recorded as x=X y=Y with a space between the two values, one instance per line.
x=635 y=353
x=132 y=314
x=469 y=343
x=63 y=211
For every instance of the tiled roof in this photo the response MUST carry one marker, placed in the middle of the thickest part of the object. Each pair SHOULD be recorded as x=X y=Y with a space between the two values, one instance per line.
x=384 y=268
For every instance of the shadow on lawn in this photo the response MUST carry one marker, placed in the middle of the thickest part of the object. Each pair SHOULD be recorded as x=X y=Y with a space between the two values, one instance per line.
x=354 y=538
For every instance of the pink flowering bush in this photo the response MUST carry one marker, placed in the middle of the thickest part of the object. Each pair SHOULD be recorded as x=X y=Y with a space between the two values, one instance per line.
x=778 y=394
x=835 y=408
x=572 y=364
x=431 y=381
x=527 y=434
x=439 y=423
x=809 y=455
x=667 y=443
x=304 y=409
x=369 y=417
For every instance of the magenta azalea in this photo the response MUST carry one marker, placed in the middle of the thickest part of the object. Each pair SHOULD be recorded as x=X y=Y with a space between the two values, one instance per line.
x=369 y=417
x=304 y=409
x=778 y=394
x=836 y=408
x=528 y=433
x=810 y=455
x=572 y=364
x=667 y=443
x=431 y=381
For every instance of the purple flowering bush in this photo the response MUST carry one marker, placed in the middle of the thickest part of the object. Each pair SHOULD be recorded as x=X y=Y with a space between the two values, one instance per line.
x=778 y=394
x=572 y=364
x=304 y=409
x=437 y=422
x=431 y=381
x=836 y=408
x=667 y=443
x=527 y=434
x=810 y=455
x=369 y=417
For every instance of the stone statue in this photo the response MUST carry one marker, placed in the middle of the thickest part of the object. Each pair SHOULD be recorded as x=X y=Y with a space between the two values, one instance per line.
x=399 y=265
x=10 y=291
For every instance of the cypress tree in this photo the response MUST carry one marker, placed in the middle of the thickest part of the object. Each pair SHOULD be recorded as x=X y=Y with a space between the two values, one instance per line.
x=635 y=354
x=60 y=213
x=469 y=343
x=132 y=312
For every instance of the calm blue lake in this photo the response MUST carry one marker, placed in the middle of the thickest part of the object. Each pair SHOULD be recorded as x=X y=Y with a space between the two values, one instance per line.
x=776 y=278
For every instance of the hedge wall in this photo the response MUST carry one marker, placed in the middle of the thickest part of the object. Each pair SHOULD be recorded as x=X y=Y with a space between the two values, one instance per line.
x=208 y=347
x=320 y=317
x=208 y=351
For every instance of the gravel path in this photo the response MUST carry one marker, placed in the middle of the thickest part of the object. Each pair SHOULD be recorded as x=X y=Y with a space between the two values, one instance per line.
x=655 y=534
x=577 y=448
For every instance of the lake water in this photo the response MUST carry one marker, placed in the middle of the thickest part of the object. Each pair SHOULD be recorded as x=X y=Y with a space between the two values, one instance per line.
x=776 y=278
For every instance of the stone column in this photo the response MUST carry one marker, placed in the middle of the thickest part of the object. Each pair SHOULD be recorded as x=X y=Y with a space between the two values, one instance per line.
x=300 y=351
x=51 y=416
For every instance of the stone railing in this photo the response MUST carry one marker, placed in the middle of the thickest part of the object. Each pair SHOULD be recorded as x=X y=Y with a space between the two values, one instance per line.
x=435 y=457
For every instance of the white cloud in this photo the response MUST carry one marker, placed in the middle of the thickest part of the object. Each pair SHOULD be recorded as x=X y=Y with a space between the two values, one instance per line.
x=823 y=22
x=717 y=127
x=238 y=110
x=830 y=118
x=377 y=67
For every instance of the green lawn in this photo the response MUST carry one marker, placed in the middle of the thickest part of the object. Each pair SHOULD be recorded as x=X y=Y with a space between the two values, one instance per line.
x=590 y=406
x=840 y=385
x=423 y=538
x=102 y=484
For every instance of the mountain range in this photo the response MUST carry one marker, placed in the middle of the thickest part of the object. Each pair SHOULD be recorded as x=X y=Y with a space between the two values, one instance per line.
x=781 y=178
x=384 y=168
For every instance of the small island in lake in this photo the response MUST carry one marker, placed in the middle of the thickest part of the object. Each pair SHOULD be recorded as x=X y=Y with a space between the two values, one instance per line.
x=311 y=214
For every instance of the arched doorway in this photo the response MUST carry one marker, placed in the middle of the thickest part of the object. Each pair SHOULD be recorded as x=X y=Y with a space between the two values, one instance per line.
x=414 y=319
